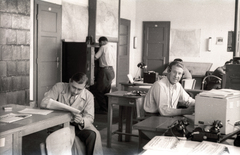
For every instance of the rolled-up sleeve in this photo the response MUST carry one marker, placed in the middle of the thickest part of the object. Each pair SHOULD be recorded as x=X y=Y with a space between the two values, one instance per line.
x=185 y=98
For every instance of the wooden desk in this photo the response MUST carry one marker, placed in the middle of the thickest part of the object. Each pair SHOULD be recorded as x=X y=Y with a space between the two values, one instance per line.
x=12 y=133
x=157 y=125
x=118 y=98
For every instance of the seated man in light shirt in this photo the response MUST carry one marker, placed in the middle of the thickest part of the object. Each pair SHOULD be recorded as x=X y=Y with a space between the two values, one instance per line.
x=75 y=95
x=186 y=72
x=167 y=94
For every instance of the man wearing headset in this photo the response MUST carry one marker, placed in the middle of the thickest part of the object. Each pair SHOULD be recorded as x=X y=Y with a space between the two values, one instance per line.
x=186 y=73
x=167 y=94
x=75 y=95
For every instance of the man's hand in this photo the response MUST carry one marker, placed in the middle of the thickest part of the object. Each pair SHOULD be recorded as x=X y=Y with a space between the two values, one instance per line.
x=77 y=118
x=191 y=109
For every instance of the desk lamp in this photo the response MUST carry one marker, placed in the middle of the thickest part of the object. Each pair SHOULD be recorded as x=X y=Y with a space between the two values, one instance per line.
x=140 y=65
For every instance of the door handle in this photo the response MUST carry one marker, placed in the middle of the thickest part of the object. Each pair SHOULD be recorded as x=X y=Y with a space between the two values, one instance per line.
x=87 y=66
x=57 y=62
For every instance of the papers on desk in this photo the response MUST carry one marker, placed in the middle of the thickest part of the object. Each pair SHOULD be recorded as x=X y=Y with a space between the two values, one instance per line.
x=11 y=117
x=220 y=93
x=171 y=145
x=36 y=111
x=209 y=148
x=165 y=143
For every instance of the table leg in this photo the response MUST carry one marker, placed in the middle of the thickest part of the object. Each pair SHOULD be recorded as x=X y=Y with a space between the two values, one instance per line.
x=139 y=141
x=17 y=143
x=109 y=129
x=142 y=140
x=120 y=129
x=129 y=119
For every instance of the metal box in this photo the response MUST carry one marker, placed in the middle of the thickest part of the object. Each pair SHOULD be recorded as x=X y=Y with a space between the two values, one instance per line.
x=150 y=77
x=209 y=109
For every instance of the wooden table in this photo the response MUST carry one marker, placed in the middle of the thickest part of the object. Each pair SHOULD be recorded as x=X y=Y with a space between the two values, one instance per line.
x=12 y=133
x=118 y=98
x=157 y=125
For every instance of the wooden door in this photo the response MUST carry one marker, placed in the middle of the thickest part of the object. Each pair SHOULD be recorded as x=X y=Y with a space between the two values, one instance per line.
x=156 y=45
x=123 y=51
x=48 y=46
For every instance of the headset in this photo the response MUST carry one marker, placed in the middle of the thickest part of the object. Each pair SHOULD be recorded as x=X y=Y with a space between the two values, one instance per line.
x=175 y=63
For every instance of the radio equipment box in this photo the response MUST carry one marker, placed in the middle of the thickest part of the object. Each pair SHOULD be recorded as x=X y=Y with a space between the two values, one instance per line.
x=210 y=108
x=150 y=77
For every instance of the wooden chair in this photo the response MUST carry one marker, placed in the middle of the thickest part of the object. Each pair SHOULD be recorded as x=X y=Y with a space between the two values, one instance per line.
x=63 y=142
x=140 y=111
x=188 y=83
x=59 y=142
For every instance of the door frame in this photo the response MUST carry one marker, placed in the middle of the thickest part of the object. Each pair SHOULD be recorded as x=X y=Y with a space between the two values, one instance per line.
x=128 y=48
x=35 y=47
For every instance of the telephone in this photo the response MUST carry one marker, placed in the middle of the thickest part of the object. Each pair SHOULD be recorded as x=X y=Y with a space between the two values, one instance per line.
x=208 y=132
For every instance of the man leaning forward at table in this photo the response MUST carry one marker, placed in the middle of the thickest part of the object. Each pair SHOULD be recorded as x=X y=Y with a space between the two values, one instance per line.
x=75 y=95
x=167 y=94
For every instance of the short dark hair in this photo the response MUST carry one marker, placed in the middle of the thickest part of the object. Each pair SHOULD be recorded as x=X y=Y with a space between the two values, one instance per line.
x=175 y=63
x=80 y=78
x=102 y=39
x=178 y=59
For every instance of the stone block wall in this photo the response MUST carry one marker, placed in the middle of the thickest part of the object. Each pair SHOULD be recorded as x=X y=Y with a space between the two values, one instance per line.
x=14 y=51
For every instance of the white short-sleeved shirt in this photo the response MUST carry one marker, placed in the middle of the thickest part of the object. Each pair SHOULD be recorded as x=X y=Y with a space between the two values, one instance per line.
x=105 y=55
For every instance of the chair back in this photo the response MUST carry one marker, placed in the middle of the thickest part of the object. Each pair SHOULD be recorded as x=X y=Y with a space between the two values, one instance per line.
x=188 y=83
x=140 y=110
x=60 y=142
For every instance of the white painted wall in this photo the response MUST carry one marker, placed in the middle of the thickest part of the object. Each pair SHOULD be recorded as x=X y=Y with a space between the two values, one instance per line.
x=214 y=17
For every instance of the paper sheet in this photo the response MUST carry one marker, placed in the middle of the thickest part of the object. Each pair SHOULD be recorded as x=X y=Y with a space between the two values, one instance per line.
x=36 y=111
x=11 y=117
x=164 y=143
x=170 y=145
x=206 y=148
x=60 y=106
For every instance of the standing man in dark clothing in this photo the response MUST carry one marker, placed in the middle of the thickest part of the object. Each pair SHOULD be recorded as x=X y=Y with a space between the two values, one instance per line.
x=106 y=73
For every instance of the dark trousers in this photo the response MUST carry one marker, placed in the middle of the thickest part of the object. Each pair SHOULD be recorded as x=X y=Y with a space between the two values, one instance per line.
x=88 y=137
x=104 y=81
